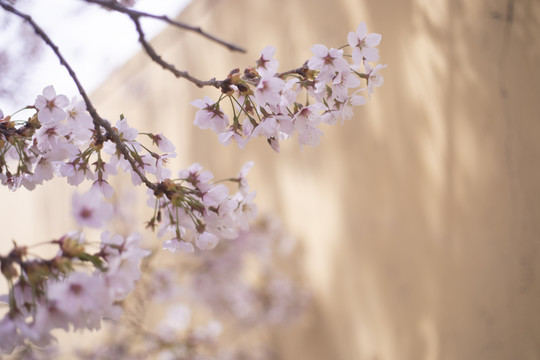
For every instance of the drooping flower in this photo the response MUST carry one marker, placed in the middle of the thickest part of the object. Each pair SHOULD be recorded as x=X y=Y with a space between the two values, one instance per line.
x=207 y=241
x=374 y=78
x=210 y=116
x=174 y=244
x=163 y=143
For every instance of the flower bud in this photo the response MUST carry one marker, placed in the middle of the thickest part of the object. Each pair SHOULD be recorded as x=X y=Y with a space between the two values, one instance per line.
x=71 y=247
x=8 y=269
x=62 y=264
x=36 y=271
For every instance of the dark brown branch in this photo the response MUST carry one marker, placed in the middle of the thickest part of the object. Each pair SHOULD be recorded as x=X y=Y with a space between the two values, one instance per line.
x=114 y=5
x=97 y=119
x=167 y=66
x=220 y=84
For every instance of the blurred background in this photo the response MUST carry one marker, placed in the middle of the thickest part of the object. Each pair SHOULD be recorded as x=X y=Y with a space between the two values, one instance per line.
x=419 y=219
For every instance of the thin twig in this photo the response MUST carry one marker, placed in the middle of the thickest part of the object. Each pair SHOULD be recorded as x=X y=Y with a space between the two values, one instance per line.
x=97 y=119
x=302 y=71
x=151 y=52
x=114 y=5
x=220 y=84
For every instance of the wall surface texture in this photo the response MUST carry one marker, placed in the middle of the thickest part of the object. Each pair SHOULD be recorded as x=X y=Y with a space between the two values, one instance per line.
x=419 y=219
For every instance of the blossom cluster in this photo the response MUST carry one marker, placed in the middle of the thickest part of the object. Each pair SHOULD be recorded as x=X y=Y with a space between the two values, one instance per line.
x=242 y=279
x=235 y=291
x=48 y=294
x=29 y=150
x=195 y=210
x=277 y=106
x=77 y=288
x=61 y=139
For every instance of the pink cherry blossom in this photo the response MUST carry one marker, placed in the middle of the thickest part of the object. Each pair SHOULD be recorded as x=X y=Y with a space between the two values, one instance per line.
x=374 y=78
x=363 y=44
x=230 y=135
x=163 y=143
x=174 y=244
x=327 y=61
x=268 y=90
x=103 y=187
x=215 y=195
x=90 y=210
x=82 y=297
x=342 y=82
x=79 y=120
x=242 y=176
x=266 y=63
x=51 y=106
x=127 y=133
x=207 y=241
x=268 y=128
x=123 y=269
x=75 y=171
x=210 y=116
x=9 y=336
x=50 y=135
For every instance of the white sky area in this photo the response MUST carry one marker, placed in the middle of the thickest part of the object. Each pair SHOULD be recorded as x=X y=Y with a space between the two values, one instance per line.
x=93 y=40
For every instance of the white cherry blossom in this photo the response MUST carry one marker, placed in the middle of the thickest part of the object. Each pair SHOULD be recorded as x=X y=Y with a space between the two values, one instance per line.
x=90 y=210
x=50 y=106
x=363 y=44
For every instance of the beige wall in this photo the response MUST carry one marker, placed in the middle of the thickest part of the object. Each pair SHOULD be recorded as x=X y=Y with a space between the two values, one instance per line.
x=419 y=219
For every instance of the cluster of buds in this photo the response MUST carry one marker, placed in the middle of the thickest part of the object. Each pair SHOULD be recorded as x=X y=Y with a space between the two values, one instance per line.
x=277 y=106
x=48 y=294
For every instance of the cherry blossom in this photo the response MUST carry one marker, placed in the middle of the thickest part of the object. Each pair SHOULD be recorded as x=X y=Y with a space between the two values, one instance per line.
x=90 y=210
x=78 y=120
x=363 y=44
x=271 y=105
x=268 y=90
x=374 y=78
x=163 y=143
x=50 y=135
x=266 y=63
x=50 y=106
x=210 y=116
x=327 y=61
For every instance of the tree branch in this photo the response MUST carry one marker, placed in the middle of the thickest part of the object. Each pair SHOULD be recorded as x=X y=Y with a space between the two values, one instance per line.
x=150 y=51
x=114 y=5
